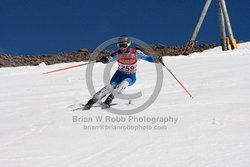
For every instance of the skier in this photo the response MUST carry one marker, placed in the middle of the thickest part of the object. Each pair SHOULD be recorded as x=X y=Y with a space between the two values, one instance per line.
x=126 y=73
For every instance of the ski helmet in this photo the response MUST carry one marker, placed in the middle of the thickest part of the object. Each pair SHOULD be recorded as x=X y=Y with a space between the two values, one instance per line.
x=123 y=41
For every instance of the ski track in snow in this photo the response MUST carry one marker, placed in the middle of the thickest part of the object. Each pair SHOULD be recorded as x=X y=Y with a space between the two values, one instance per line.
x=212 y=129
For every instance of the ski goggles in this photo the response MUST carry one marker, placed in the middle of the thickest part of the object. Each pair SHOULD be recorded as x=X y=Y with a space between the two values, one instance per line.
x=123 y=45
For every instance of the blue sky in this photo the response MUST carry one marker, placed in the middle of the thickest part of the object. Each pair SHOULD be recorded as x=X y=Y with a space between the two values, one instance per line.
x=48 y=27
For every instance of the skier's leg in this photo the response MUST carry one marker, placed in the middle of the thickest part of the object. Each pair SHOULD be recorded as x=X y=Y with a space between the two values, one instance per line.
x=115 y=80
x=109 y=100
x=103 y=92
x=122 y=86
x=120 y=81
x=98 y=96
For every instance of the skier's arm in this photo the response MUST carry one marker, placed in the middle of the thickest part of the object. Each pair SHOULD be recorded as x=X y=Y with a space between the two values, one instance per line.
x=112 y=57
x=141 y=55
x=109 y=58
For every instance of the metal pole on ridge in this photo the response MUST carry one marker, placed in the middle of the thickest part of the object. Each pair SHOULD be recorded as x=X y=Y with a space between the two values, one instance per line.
x=191 y=43
x=223 y=36
x=227 y=43
x=232 y=40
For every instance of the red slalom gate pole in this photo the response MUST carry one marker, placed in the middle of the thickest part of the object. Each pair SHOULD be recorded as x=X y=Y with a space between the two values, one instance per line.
x=177 y=80
x=66 y=68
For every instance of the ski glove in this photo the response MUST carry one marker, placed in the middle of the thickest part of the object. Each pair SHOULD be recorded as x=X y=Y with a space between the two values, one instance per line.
x=103 y=60
x=158 y=59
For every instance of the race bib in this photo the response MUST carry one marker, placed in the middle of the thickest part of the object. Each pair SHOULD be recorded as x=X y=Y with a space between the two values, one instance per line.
x=129 y=69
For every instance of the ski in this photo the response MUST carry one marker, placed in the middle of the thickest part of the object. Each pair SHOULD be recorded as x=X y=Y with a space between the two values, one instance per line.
x=82 y=106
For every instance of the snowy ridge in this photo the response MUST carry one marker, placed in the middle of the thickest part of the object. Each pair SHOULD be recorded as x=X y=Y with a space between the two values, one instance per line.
x=37 y=128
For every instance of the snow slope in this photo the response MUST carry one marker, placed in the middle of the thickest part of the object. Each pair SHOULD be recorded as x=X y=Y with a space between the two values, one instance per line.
x=211 y=130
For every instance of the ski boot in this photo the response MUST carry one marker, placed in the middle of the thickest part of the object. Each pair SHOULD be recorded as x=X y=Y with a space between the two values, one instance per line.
x=108 y=101
x=90 y=104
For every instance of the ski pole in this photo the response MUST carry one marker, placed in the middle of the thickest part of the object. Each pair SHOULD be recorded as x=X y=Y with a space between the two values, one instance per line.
x=66 y=68
x=176 y=79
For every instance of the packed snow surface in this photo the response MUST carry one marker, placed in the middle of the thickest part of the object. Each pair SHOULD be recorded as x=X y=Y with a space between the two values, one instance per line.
x=38 y=128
